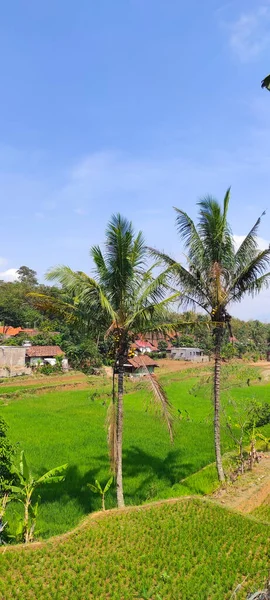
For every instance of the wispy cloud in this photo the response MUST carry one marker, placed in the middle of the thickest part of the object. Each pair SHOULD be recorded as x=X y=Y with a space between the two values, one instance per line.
x=249 y=35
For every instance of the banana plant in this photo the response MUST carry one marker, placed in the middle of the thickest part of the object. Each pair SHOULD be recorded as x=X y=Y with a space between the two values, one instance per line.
x=97 y=489
x=24 y=491
x=265 y=439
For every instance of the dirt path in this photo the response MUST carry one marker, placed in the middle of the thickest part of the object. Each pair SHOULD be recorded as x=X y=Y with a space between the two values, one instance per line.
x=250 y=490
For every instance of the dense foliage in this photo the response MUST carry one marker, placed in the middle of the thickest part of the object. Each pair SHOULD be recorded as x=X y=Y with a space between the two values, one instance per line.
x=7 y=452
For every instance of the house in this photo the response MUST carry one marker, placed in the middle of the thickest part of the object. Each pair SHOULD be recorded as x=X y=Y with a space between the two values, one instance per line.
x=193 y=354
x=36 y=355
x=12 y=361
x=143 y=346
x=140 y=365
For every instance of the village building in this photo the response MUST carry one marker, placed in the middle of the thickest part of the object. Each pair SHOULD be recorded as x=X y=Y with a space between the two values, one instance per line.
x=143 y=346
x=38 y=355
x=12 y=361
x=191 y=354
x=140 y=366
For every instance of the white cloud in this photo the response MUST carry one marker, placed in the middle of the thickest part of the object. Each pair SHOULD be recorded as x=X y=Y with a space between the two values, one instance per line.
x=9 y=275
x=3 y=261
x=249 y=35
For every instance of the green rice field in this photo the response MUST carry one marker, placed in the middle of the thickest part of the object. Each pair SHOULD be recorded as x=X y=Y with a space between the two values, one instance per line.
x=187 y=550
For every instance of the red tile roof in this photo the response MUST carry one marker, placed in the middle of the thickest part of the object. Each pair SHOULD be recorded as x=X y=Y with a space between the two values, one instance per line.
x=144 y=344
x=142 y=361
x=44 y=351
x=8 y=330
x=12 y=331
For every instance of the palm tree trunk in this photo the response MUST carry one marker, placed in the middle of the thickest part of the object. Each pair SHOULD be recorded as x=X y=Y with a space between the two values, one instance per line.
x=218 y=340
x=119 y=434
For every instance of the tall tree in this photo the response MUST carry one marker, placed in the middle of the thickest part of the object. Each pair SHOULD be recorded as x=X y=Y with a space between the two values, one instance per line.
x=132 y=299
x=217 y=275
x=27 y=276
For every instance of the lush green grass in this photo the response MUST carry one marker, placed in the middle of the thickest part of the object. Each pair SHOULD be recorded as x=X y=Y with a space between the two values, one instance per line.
x=187 y=550
x=263 y=511
x=69 y=426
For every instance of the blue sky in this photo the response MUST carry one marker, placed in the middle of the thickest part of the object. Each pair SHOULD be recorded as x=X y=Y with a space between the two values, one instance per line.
x=132 y=106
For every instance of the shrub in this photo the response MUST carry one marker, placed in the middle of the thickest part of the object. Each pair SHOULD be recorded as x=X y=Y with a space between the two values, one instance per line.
x=47 y=369
x=7 y=452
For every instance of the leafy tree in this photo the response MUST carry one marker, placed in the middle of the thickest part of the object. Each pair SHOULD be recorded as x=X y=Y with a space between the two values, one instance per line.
x=83 y=357
x=16 y=308
x=27 y=276
x=162 y=345
x=184 y=341
x=216 y=275
x=132 y=300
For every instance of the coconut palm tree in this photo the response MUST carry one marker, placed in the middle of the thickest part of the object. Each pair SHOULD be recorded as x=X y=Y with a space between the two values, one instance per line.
x=133 y=301
x=216 y=275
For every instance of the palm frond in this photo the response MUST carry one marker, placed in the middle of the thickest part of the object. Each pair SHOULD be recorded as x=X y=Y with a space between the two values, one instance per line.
x=90 y=293
x=246 y=280
x=138 y=252
x=153 y=289
x=249 y=247
x=161 y=399
x=100 y=263
x=190 y=236
x=226 y=203
x=190 y=283
x=143 y=317
x=69 y=279
x=254 y=288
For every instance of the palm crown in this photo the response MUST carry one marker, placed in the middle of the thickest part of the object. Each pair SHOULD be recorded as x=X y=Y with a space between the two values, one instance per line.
x=216 y=273
x=133 y=299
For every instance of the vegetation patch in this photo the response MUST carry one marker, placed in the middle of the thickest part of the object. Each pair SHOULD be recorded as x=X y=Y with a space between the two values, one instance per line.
x=175 y=551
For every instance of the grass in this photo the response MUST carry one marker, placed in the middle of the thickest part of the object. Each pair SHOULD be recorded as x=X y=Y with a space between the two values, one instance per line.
x=263 y=511
x=187 y=550
x=69 y=426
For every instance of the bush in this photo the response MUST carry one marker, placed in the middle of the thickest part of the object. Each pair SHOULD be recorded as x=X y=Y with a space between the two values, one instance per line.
x=48 y=369
x=7 y=452
x=262 y=415
x=83 y=357
x=155 y=355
